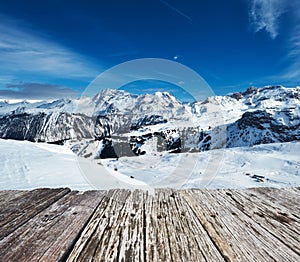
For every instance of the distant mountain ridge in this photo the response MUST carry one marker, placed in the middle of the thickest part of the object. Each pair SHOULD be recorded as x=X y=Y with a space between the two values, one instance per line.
x=114 y=123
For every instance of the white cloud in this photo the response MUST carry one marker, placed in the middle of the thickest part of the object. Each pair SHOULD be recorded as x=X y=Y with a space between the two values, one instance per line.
x=36 y=91
x=293 y=71
x=265 y=14
x=23 y=51
x=295 y=43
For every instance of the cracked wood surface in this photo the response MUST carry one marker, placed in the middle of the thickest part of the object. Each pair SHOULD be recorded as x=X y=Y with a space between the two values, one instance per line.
x=259 y=224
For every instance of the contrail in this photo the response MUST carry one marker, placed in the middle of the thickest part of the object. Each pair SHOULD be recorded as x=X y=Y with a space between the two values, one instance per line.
x=176 y=10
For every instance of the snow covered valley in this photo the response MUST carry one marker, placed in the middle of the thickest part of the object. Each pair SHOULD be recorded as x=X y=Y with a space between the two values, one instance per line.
x=27 y=165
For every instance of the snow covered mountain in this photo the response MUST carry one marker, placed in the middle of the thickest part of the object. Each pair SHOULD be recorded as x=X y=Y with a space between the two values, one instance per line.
x=54 y=127
x=257 y=116
x=116 y=123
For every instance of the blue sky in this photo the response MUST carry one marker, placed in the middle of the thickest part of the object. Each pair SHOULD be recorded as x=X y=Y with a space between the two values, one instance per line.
x=54 y=48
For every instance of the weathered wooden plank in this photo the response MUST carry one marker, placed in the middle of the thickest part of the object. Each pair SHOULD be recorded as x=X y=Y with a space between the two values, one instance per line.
x=275 y=219
x=157 y=236
x=237 y=235
x=132 y=246
x=49 y=235
x=178 y=231
x=143 y=227
x=7 y=195
x=125 y=240
x=172 y=225
x=101 y=239
x=19 y=210
x=212 y=224
x=271 y=241
x=286 y=197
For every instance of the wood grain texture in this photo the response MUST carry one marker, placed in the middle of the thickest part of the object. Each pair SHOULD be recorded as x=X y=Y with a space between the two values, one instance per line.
x=170 y=225
x=236 y=232
x=101 y=240
x=174 y=232
x=285 y=197
x=17 y=211
x=276 y=219
x=50 y=234
x=7 y=195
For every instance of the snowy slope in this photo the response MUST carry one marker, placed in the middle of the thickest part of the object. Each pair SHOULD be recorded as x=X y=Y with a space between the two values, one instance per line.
x=273 y=165
x=26 y=165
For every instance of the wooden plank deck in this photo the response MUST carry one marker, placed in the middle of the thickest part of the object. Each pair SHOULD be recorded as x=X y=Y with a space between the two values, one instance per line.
x=261 y=224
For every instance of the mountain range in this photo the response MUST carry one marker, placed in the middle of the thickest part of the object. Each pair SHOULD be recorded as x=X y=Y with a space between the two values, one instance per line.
x=115 y=123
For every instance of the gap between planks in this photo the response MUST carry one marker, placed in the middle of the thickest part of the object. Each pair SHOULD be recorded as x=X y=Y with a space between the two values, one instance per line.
x=171 y=225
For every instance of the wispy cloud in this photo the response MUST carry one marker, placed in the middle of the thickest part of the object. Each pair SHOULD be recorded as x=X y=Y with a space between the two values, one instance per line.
x=291 y=75
x=265 y=15
x=36 y=91
x=24 y=51
x=293 y=71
